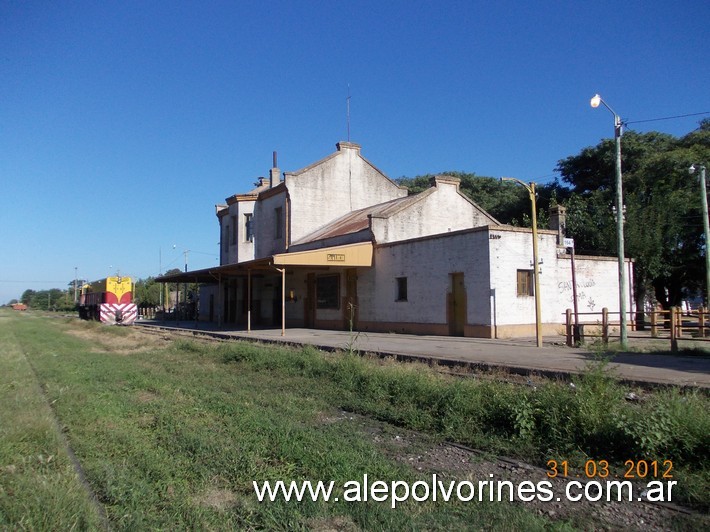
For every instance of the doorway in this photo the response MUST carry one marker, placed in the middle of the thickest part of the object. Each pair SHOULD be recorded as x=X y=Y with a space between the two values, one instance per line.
x=456 y=307
x=309 y=303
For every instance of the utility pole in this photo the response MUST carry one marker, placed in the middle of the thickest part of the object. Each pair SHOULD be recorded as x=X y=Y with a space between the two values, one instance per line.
x=536 y=261
x=619 y=208
x=706 y=226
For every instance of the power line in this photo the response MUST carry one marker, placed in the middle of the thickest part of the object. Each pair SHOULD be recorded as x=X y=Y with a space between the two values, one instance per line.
x=35 y=281
x=666 y=118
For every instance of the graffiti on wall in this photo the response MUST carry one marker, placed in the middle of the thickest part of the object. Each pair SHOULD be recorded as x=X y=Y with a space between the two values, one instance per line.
x=565 y=287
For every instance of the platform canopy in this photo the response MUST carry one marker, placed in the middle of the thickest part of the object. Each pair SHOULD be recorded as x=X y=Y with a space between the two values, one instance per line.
x=347 y=256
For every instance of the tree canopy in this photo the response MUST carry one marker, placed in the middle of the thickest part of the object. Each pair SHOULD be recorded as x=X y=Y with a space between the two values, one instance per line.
x=663 y=229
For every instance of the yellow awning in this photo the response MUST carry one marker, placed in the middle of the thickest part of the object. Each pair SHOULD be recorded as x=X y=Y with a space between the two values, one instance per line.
x=349 y=255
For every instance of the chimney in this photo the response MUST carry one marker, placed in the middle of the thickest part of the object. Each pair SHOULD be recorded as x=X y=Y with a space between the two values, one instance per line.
x=275 y=173
x=558 y=222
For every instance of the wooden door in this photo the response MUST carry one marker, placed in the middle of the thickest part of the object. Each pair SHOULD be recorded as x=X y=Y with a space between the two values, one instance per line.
x=309 y=304
x=457 y=305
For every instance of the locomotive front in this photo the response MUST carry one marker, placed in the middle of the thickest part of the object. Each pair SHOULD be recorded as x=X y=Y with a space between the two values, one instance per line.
x=109 y=300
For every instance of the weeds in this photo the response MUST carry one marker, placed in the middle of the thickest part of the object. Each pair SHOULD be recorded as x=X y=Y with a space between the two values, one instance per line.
x=173 y=437
x=589 y=418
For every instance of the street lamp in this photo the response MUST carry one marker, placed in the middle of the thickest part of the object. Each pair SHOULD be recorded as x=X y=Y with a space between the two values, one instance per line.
x=704 y=200
x=623 y=336
x=536 y=272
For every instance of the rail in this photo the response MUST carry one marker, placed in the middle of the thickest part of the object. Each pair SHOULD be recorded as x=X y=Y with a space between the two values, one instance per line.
x=672 y=324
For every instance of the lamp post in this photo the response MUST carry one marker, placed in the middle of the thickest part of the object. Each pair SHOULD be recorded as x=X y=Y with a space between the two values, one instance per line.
x=623 y=335
x=706 y=228
x=536 y=272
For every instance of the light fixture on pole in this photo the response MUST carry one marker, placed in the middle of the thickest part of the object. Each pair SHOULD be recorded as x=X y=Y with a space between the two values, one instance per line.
x=536 y=264
x=623 y=335
x=706 y=228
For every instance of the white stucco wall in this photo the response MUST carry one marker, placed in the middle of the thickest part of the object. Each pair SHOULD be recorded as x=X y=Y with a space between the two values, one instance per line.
x=510 y=253
x=241 y=250
x=597 y=280
x=265 y=243
x=597 y=286
x=427 y=264
x=489 y=258
x=245 y=248
x=441 y=209
x=340 y=183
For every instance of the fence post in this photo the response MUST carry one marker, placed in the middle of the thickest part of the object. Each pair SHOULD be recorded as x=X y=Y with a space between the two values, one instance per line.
x=605 y=326
x=701 y=321
x=679 y=321
x=674 y=329
x=654 y=323
x=568 y=326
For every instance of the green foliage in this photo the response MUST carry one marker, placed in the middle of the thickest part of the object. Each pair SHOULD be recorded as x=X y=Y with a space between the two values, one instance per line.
x=39 y=488
x=663 y=220
x=146 y=292
x=663 y=227
x=507 y=202
x=53 y=299
x=173 y=437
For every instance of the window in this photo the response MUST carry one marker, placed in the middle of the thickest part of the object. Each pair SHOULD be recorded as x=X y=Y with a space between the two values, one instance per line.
x=225 y=238
x=278 y=217
x=525 y=283
x=248 y=228
x=234 y=230
x=328 y=291
x=401 y=289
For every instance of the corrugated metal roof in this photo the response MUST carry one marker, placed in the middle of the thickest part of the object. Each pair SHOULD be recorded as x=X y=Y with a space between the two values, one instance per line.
x=356 y=221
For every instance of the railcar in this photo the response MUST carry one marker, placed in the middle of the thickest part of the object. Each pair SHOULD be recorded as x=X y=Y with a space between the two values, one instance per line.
x=108 y=300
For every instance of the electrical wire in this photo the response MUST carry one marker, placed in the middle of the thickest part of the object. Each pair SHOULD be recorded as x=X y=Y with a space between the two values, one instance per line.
x=665 y=118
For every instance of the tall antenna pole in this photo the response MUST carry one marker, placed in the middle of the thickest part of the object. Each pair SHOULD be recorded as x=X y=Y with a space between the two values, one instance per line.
x=348 y=113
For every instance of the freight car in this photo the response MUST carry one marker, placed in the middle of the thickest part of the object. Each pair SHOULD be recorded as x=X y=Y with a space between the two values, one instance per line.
x=109 y=300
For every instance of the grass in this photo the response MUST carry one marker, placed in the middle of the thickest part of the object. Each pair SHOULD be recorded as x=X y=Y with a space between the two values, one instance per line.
x=172 y=434
x=39 y=487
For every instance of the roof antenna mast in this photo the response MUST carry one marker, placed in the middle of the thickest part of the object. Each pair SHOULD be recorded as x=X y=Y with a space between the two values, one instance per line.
x=348 y=111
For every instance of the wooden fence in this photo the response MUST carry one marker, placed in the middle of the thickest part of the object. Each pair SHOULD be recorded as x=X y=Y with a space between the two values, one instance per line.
x=671 y=325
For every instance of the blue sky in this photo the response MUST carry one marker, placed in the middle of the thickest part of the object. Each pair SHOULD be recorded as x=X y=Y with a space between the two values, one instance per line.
x=123 y=123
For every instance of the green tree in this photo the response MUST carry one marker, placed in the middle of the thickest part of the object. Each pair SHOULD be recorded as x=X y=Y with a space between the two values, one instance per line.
x=27 y=296
x=53 y=299
x=663 y=230
x=147 y=292
x=506 y=202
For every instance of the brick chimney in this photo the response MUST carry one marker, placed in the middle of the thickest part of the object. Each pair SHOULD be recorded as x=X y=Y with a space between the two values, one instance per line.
x=558 y=222
x=274 y=173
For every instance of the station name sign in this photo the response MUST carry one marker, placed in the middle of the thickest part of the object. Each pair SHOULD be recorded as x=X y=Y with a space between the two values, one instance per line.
x=335 y=257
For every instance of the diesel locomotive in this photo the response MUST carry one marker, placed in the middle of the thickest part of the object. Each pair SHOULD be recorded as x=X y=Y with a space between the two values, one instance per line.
x=108 y=300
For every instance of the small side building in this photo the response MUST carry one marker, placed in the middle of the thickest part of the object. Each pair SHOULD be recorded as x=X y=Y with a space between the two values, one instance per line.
x=339 y=245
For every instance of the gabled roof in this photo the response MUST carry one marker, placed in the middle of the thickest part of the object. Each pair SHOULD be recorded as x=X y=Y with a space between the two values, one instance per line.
x=357 y=221
x=261 y=186
x=341 y=147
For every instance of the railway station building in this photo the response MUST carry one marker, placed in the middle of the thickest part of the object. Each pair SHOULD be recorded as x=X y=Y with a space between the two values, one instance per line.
x=338 y=245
